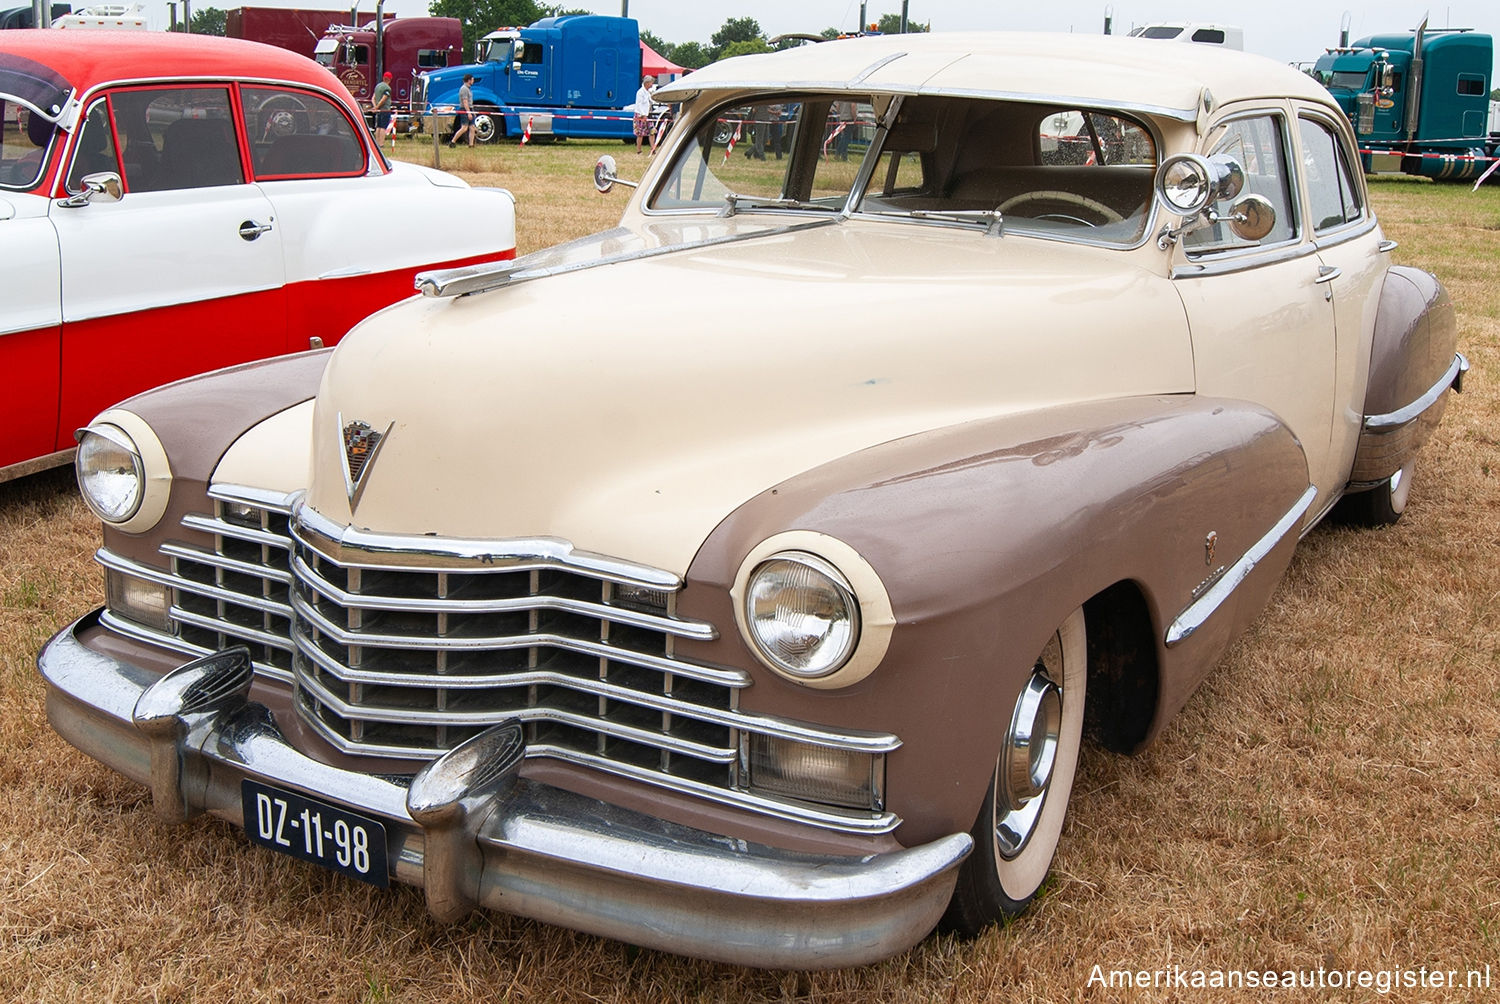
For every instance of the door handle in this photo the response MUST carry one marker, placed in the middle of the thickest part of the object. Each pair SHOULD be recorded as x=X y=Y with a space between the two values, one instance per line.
x=1386 y=247
x=250 y=230
x=1326 y=274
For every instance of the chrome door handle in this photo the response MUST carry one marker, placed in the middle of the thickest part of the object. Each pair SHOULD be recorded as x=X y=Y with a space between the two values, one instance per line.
x=1386 y=247
x=1326 y=274
x=249 y=230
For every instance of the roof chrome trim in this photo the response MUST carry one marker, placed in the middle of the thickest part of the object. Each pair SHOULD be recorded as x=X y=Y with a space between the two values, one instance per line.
x=1198 y=612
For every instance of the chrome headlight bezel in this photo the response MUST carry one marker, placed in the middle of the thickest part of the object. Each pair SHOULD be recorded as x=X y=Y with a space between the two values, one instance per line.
x=123 y=431
x=797 y=585
x=101 y=449
x=839 y=570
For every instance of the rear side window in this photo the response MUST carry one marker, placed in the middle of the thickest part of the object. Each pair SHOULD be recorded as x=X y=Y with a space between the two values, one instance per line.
x=295 y=134
x=1331 y=190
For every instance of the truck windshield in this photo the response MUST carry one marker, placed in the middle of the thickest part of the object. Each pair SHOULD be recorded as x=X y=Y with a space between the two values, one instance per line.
x=326 y=51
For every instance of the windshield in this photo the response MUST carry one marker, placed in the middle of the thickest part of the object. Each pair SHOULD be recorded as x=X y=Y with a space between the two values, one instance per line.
x=776 y=154
x=1044 y=170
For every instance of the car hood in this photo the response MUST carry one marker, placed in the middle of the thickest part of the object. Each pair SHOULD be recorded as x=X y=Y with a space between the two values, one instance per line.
x=628 y=408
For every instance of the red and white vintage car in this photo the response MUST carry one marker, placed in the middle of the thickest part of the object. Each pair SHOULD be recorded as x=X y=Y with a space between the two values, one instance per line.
x=172 y=204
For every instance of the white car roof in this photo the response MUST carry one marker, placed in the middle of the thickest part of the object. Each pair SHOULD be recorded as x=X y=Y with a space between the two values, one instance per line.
x=1089 y=70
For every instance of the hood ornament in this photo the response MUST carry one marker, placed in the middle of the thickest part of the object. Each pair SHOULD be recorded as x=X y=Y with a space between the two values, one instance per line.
x=361 y=444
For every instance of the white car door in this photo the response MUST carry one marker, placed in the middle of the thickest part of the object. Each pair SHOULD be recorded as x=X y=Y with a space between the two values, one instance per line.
x=29 y=330
x=184 y=273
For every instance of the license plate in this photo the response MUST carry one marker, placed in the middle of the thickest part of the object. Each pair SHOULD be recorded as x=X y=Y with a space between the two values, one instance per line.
x=315 y=831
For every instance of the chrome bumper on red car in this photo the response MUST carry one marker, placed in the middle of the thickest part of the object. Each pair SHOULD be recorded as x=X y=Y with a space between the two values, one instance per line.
x=473 y=833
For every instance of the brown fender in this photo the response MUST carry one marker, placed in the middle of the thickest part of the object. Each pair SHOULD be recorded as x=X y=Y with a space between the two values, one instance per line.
x=986 y=536
x=198 y=418
x=1413 y=350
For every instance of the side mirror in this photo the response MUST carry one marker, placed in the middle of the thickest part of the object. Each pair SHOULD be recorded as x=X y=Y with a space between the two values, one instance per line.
x=1252 y=218
x=605 y=177
x=105 y=186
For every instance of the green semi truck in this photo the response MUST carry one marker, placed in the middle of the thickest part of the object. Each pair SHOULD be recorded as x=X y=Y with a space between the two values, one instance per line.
x=1419 y=100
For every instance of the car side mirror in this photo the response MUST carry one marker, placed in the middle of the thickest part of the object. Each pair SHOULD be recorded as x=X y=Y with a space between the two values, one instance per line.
x=1252 y=218
x=605 y=177
x=104 y=186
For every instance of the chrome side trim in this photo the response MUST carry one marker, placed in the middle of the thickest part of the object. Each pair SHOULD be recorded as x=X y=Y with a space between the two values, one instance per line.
x=1345 y=232
x=1242 y=263
x=1453 y=377
x=537 y=851
x=1198 y=613
x=353 y=548
x=493 y=275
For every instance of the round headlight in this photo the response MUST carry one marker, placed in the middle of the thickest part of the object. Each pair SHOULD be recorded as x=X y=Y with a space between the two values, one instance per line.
x=110 y=473
x=801 y=614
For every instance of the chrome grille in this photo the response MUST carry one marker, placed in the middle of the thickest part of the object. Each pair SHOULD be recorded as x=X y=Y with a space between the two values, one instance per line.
x=406 y=653
x=408 y=662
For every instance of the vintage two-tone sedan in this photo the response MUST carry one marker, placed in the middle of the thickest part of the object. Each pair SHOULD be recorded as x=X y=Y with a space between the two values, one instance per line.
x=983 y=373
x=171 y=204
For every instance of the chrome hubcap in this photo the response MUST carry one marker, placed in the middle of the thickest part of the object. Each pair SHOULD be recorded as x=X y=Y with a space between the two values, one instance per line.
x=1027 y=759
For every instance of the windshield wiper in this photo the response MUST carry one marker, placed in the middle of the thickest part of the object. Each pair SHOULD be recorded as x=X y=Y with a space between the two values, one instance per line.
x=734 y=202
x=992 y=219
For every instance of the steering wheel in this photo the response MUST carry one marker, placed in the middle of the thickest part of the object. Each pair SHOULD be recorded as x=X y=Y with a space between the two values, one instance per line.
x=1107 y=214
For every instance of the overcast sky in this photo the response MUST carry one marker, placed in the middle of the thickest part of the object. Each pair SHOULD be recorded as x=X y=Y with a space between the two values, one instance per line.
x=1287 y=30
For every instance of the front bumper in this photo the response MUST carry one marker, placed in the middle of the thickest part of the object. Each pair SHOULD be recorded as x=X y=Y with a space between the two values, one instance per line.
x=473 y=833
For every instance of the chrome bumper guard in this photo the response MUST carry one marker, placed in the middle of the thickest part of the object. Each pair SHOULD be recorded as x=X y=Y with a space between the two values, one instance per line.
x=473 y=833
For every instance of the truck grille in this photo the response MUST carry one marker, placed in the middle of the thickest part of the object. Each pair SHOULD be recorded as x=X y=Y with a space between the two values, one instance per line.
x=397 y=650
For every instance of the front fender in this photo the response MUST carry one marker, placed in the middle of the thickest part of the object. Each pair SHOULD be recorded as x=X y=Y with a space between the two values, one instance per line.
x=986 y=535
x=199 y=418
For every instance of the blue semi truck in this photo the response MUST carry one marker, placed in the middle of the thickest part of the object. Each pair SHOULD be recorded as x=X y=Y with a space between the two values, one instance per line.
x=1419 y=100
x=569 y=76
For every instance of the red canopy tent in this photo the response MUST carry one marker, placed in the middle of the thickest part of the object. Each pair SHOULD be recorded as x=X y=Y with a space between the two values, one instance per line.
x=659 y=66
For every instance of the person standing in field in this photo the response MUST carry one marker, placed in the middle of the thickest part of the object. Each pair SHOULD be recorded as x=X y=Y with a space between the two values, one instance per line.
x=642 y=114
x=382 y=106
x=463 y=122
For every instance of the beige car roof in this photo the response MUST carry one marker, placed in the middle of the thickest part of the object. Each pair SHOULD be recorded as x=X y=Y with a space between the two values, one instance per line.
x=1086 y=70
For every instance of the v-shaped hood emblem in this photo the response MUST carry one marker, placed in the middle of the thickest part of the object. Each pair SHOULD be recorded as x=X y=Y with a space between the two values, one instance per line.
x=361 y=445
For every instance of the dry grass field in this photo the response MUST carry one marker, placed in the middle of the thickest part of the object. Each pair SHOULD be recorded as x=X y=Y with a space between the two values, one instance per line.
x=1327 y=799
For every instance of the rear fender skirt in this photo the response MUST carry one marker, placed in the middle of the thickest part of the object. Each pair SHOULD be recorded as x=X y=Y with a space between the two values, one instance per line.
x=987 y=534
x=1413 y=362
